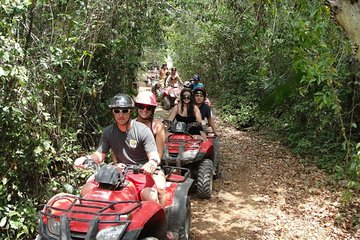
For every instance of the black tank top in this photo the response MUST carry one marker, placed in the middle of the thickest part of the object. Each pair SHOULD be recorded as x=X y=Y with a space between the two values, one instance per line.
x=186 y=120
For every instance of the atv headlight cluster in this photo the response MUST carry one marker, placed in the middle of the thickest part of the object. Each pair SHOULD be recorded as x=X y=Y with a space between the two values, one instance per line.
x=111 y=233
x=54 y=226
x=190 y=154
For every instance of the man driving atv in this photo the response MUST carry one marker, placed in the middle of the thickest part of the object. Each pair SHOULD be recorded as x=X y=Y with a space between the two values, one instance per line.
x=205 y=110
x=196 y=82
x=162 y=74
x=174 y=79
x=131 y=142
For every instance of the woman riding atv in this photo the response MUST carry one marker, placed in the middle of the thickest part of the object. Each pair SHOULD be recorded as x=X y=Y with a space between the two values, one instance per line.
x=186 y=111
x=174 y=79
x=145 y=104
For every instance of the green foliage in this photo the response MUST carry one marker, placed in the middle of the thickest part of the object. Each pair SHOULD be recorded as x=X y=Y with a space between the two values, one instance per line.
x=61 y=62
x=240 y=112
x=283 y=65
x=355 y=164
x=279 y=64
x=18 y=221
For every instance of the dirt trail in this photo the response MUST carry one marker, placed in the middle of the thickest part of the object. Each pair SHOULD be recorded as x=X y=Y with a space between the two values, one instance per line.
x=265 y=193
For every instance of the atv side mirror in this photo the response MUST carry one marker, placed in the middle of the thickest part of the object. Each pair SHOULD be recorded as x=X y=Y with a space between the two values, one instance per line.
x=90 y=163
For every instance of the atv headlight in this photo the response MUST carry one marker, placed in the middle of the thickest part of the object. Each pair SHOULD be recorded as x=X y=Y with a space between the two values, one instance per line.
x=54 y=226
x=111 y=233
x=190 y=154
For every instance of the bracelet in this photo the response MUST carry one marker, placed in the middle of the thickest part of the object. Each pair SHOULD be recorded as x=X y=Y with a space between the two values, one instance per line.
x=156 y=162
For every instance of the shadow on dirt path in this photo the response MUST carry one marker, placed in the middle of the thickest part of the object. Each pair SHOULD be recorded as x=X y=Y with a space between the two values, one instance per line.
x=265 y=192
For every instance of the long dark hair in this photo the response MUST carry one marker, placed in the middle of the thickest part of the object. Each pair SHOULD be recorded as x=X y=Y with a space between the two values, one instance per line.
x=190 y=110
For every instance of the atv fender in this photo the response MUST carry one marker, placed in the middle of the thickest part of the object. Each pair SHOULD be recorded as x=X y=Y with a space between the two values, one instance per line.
x=149 y=221
x=176 y=213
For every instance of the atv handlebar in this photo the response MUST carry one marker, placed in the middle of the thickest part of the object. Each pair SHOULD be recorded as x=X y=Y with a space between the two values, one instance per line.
x=90 y=163
x=170 y=126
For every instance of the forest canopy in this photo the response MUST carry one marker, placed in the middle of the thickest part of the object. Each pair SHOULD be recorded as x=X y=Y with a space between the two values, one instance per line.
x=282 y=66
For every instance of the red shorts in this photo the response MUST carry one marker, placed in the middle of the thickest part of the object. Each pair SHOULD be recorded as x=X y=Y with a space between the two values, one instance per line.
x=141 y=181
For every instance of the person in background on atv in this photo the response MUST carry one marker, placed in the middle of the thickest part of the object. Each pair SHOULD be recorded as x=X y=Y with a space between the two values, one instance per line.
x=186 y=111
x=188 y=84
x=172 y=82
x=162 y=74
x=131 y=142
x=174 y=79
x=145 y=104
x=205 y=110
x=196 y=82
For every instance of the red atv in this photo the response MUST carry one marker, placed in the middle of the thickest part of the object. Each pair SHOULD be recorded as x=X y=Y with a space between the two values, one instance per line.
x=112 y=209
x=201 y=157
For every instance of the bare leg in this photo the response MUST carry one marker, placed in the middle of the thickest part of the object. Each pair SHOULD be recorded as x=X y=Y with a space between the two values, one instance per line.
x=149 y=194
x=203 y=134
x=160 y=183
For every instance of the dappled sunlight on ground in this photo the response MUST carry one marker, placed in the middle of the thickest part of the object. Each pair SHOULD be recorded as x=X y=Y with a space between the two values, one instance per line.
x=265 y=193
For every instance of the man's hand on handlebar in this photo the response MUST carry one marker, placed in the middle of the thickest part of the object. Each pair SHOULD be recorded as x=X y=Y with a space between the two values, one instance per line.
x=149 y=167
x=79 y=162
x=121 y=167
x=84 y=162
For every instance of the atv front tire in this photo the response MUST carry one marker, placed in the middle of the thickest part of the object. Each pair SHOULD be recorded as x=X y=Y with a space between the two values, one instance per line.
x=217 y=159
x=184 y=233
x=205 y=179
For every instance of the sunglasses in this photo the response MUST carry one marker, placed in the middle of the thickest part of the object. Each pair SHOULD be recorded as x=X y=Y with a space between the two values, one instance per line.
x=117 y=111
x=186 y=97
x=148 y=107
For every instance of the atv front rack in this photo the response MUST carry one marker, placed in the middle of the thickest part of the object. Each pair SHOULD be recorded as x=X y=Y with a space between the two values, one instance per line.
x=181 y=150
x=72 y=210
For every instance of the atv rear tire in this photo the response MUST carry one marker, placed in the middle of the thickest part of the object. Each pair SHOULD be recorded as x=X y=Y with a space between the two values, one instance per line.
x=167 y=103
x=184 y=233
x=217 y=158
x=205 y=179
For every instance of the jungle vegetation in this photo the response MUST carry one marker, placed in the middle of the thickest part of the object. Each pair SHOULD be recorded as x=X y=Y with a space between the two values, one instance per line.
x=280 y=66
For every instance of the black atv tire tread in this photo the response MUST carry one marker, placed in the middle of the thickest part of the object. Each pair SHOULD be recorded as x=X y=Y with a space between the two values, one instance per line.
x=184 y=233
x=217 y=159
x=205 y=179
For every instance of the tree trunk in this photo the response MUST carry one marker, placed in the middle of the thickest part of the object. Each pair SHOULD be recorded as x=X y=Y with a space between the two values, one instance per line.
x=347 y=15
